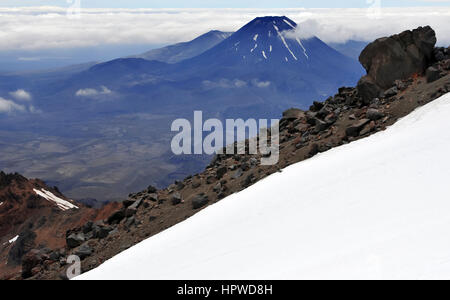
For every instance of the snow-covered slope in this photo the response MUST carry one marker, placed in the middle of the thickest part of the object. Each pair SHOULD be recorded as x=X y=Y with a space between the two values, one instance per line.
x=376 y=208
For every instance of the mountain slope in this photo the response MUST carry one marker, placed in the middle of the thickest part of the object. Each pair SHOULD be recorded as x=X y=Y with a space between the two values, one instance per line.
x=376 y=208
x=33 y=215
x=181 y=51
x=20 y=197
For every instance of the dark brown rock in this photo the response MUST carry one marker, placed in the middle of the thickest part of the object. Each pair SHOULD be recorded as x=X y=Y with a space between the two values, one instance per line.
x=29 y=262
x=368 y=89
x=293 y=114
x=398 y=56
x=432 y=74
x=354 y=130
x=75 y=240
x=374 y=114
x=199 y=201
x=221 y=172
x=176 y=199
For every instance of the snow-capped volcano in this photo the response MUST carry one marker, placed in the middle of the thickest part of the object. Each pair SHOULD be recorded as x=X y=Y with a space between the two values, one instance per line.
x=270 y=46
x=265 y=39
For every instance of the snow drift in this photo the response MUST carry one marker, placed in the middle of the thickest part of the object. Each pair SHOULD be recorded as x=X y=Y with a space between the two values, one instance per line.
x=378 y=208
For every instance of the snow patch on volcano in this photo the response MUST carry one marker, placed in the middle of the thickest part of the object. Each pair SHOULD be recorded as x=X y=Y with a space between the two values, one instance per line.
x=62 y=204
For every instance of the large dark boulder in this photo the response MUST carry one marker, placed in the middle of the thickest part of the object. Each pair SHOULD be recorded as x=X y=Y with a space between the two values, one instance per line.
x=368 y=89
x=399 y=56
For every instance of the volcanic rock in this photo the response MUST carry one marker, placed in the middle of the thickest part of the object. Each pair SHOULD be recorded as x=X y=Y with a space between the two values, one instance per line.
x=176 y=199
x=432 y=74
x=293 y=114
x=399 y=56
x=75 y=239
x=374 y=114
x=354 y=130
x=368 y=89
x=84 y=251
x=199 y=201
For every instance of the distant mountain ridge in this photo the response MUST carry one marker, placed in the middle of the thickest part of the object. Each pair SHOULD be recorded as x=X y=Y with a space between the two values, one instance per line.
x=181 y=51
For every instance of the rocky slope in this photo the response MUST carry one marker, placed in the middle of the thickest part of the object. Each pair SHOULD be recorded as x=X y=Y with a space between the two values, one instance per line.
x=35 y=216
x=376 y=208
x=353 y=113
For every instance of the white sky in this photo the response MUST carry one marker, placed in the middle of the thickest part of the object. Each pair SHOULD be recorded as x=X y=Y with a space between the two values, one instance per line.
x=40 y=28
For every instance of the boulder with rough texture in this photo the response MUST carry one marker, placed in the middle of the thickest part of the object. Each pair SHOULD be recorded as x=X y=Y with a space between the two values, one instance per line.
x=199 y=201
x=153 y=197
x=176 y=199
x=132 y=209
x=151 y=189
x=75 y=239
x=293 y=114
x=221 y=172
x=84 y=251
x=399 y=56
x=432 y=74
x=368 y=89
x=101 y=232
x=374 y=114
x=355 y=129
x=391 y=92
x=116 y=217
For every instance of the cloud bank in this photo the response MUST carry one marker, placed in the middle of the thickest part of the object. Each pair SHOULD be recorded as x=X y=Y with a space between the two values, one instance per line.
x=50 y=28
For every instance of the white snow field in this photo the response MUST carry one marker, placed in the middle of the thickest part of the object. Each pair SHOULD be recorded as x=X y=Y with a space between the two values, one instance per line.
x=378 y=208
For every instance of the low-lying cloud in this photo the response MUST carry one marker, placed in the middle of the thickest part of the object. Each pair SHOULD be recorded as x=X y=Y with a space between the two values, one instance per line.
x=21 y=95
x=261 y=84
x=21 y=102
x=89 y=92
x=234 y=83
x=50 y=28
x=8 y=106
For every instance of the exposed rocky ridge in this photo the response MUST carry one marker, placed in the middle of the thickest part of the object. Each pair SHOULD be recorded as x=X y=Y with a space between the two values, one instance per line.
x=341 y=119
x=29 y=222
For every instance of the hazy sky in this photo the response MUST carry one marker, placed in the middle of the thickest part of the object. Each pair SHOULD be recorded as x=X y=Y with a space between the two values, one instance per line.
x=223 y=3
x=101 y=30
